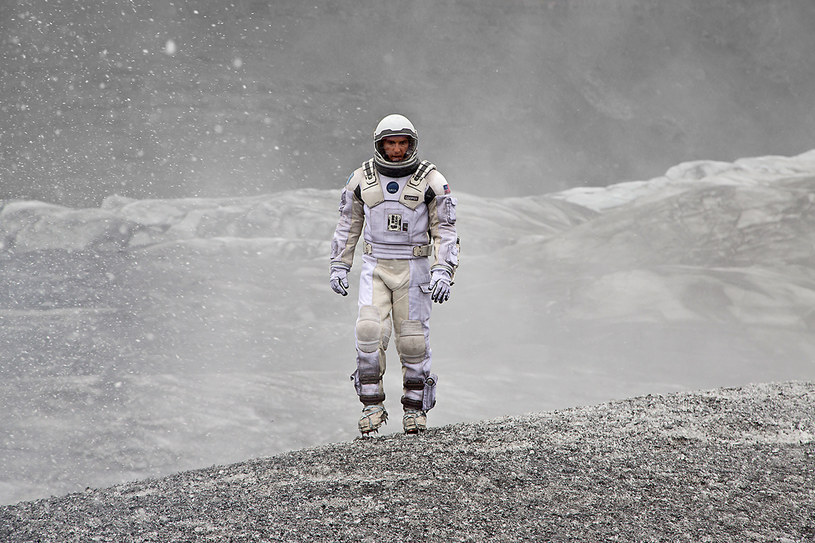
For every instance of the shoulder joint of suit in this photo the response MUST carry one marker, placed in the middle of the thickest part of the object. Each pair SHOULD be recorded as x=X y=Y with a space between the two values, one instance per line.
x=354 y=180
x=438 y=184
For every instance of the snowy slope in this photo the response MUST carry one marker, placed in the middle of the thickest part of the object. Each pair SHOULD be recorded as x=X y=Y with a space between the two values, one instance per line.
x=708 y=242
x=149 y=336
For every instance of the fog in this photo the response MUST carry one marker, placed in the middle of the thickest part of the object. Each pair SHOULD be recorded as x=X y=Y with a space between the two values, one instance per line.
x=211 y=98
x=144 y=337
x=169 y=182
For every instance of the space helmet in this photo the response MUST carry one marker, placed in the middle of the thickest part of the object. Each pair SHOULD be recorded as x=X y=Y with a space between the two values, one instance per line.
x=396 y=125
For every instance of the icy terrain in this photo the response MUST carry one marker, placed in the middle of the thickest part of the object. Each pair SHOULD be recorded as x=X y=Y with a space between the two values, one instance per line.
x=145 y=337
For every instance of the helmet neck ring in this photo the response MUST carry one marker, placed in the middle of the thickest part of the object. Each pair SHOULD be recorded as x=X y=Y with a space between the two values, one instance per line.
x=396 y=169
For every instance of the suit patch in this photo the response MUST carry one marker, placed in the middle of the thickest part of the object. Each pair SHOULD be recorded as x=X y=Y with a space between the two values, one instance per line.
x=393 y=187
x=395 y=222
x=412 y=197
x=446 y=189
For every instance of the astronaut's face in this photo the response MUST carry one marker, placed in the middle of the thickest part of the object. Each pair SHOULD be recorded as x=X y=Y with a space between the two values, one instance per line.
x=395 y=147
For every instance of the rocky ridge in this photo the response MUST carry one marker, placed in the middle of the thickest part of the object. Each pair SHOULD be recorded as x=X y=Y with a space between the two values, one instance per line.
x=732 y=464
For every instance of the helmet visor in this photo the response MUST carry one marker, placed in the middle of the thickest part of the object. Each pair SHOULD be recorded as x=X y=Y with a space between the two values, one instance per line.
x=409 y=154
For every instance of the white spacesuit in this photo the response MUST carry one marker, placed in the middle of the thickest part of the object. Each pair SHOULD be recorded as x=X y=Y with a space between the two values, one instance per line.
x=404 y=212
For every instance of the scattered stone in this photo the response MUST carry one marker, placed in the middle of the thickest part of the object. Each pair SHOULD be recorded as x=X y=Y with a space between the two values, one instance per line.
x=722 y=465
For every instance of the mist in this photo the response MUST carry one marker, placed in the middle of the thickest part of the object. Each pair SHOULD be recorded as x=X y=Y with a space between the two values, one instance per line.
x=145 y=337
x=170 y=171
x=208 y=98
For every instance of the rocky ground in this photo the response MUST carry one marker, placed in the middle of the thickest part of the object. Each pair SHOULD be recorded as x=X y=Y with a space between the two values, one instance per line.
x=722 y=465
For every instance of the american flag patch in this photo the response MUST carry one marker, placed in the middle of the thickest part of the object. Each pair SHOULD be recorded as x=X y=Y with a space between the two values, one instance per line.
x=446 y=189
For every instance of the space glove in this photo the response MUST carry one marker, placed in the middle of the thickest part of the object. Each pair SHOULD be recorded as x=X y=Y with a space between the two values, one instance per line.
x=339 y=280
x=440 y=280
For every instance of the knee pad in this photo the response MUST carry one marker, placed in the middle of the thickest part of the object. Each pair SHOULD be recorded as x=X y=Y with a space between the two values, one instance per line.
x=369 y=329
x=411 y=342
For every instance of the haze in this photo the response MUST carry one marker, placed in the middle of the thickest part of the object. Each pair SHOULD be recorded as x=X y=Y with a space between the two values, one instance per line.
x=169 y=180
x=150 y=336
x=211 y=98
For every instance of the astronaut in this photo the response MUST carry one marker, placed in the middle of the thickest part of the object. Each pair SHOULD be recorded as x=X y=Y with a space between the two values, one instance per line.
x=403 y=210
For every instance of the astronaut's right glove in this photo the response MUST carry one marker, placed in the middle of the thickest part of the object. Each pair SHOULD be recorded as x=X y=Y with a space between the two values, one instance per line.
x=339 y=280
x=440 y=280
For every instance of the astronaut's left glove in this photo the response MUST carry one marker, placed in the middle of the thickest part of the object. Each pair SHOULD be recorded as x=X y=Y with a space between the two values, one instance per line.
x=440 y=280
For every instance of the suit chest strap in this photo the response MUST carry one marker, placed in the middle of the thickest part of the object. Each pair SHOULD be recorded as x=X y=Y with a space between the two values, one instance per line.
x=412 y=194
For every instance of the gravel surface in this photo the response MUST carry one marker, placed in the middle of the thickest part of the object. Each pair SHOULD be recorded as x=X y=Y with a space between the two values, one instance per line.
x=722 y=465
